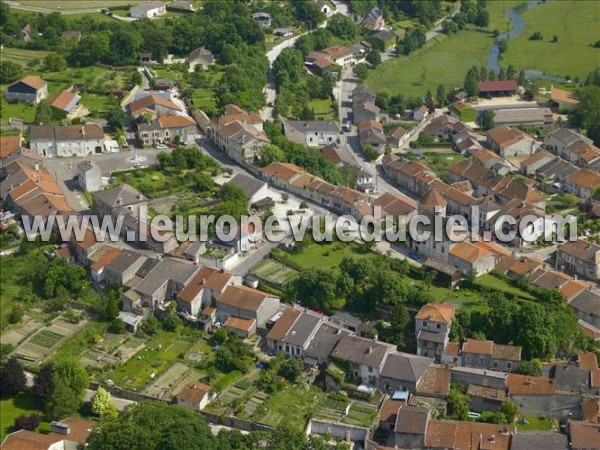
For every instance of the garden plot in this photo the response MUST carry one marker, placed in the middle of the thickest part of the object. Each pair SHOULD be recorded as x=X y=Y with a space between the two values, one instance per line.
x=257 y=400
x=47 y=339
x=274 y=272
x=17 y=335
x=172 y=381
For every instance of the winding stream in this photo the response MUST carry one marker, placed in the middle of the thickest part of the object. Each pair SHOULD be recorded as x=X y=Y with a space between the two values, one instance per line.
x=518 y=24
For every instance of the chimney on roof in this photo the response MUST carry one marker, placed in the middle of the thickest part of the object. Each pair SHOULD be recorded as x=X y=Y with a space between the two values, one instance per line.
x=370 y=349
x=140 y=197
x=37 y=167
x=83 y=131
x=119 y=200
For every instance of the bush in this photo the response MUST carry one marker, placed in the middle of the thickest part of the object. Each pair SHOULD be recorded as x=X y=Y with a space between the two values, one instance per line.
x=537 y=36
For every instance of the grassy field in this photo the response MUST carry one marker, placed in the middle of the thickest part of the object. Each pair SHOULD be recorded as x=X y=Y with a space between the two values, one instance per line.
x=498 y=10
x=325 y=257
x=13 y=268
x=23 y=404
x=444 y=59
x=22 y=56
x=497 y=284
x=76 y=4
x=576 y=26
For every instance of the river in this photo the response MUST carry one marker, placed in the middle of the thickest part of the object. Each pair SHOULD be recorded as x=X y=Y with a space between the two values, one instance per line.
x=518 y=24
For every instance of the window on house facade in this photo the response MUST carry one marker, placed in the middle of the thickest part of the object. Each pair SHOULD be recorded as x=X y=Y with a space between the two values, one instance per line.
x=438 y=325
x=481 y=360
x=370 y=369
x=509 y=365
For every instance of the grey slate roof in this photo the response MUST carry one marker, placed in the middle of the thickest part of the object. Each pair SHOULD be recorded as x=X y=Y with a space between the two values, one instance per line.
x=361 y=351
x=302 y=328
x=250 y=185
x=168 y=269
x=405 y=367
x=86 y=166
x=570 y=378
x=587 y=302
x=324 y=341
x=548 y=440
x=312 y=126
x=128 y=195
x=125 y=260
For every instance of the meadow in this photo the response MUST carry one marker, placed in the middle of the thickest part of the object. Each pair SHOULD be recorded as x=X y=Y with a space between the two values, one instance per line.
x=442 y=60
x=575 y=24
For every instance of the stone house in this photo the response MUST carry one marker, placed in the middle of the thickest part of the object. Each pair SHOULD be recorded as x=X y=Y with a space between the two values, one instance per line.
x=89 y=176
x=580 y=258
x=432 y=329
x=583 y=183
x=587 y=307
x=203 y=290
x=238 y=134
x=364 y=358
x=200 y=56
x=114 y=201
x=402 y=372
x=313 y=133
x=511 y=143
x=195 y=395
x=65 y=141
x=293 y=331
x=491 y=356
x=247 y=303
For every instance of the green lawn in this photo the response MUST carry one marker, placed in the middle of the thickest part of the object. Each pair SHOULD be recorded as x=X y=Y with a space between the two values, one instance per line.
x=538 y=424
x=12 y=269
x=444 y=59
x=11 y=408
x=324 y=256
x=274 y=272
x=576 y=26
x=322 y=109
x=498 y=10
x=158 y=355
x=492 y=282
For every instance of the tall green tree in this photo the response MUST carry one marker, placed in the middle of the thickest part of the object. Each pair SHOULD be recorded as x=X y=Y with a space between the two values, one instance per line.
x=10 y=71
x=12 y=376
x=43 y=113
x=154 y=426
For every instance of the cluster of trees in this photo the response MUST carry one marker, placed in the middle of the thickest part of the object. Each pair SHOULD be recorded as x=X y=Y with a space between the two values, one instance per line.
x=343 y=27
x=60 y=386
x=458 y=408
x=425 y=11
x=282 y=149
x=158 y=425
x=471 y=12
x=281 y=368
x=225 y=28
x=233 y=353
x=475 y=75
x=540 y=328
x=587 y=115
x=414 y=39
x=234 y=201
x=363 y=284
x=296 y=87
x=396 y=104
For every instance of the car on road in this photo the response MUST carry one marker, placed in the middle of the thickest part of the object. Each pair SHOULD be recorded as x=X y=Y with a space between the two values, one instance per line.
x=173 y=145
x=138 y=165
x=161 y=146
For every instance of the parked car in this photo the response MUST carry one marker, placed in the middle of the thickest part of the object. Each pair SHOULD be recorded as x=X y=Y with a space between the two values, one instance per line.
x=173 y=145
x=161 y=146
